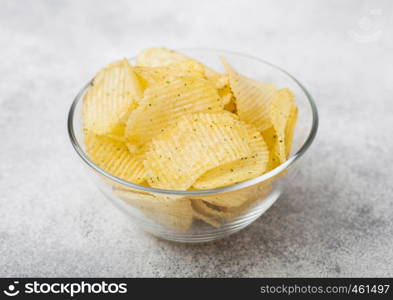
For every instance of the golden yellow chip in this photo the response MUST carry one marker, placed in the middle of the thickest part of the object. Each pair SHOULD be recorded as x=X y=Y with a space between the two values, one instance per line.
x=279 y=136
x=281 y=108
x=218 y=213
x=112 y=95
x=114 y=157
x=222 y=207
x=290 y=129
x=269 y=135
x=240 y=170
x=207 y=209
x=152 y=75
x=197 y=143
x=253 y=98
x=230 y=213
x=207 y=219
x=230 y=199
x=158 y=57
x=225 y=200
x=270 y=138
x=235 y=212
x=163 y=103
x=238 y=197
x=174 y=213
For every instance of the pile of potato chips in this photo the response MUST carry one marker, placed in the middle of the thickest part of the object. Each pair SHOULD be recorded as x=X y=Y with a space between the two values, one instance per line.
x=172 y=123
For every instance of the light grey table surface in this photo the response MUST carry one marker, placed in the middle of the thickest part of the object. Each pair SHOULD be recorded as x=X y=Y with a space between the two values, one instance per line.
x=335 y=219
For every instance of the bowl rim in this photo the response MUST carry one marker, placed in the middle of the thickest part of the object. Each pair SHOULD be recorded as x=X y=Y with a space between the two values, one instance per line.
x=294 y=157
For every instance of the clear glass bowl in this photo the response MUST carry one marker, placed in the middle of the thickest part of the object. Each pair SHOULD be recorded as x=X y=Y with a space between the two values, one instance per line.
x=258 y=194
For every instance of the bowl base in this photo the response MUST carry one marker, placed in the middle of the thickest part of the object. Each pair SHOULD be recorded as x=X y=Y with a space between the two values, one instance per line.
x=197 y=235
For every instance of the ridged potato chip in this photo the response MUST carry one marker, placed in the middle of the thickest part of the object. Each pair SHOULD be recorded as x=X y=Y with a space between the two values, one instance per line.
x=219 y=214
x=207 y=219
x=223 y=207
x=112 y=95
x=290 y=129
x=225 y=200
x=207 y=209
x=114 y=157
x=230 y=213
x=270 y=138
x=238 y=197
x=171 y=212
x=253 y=98
x=197 y=143
x=240 y=170
x=282 y=106
x=271 y=110
x=152 y=75
x=159 y=57
x=231 y=199
x=163 y=103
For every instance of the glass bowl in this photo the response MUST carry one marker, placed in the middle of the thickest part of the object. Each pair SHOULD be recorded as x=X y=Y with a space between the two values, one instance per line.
x=171 y=219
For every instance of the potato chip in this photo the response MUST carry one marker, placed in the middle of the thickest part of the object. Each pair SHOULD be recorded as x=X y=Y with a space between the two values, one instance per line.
x=253 y=98
x=153 y=75
x=114 y=157
x=159 y=57
x=163 y=103
x=171 y=212
x=188 y=67
x=207 y=219
x=272 y=110
x=207 y=209
x=270 y=137
x=231 y=213
x=238 y=197
x=231 y=199
x=240 y=170
x=282 y=105
x=197 y=143
x=223 y=208
x=112 y=95
x=290 y=129
x=219 y=214
x=235 y=212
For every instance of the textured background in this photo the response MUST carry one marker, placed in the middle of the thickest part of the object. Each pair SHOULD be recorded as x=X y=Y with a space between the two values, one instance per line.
x=336 y=219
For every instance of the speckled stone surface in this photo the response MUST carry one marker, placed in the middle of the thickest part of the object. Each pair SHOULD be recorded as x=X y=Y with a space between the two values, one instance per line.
x=336 y=219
